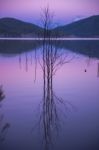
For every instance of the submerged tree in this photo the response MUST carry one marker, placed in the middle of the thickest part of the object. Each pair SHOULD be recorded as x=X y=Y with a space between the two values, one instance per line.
x=52 y=60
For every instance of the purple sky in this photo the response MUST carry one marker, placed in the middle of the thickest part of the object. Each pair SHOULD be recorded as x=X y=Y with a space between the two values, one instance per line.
x=64 y=10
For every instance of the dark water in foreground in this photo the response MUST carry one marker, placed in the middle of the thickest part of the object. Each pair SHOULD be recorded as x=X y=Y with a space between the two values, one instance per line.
x=49 y=96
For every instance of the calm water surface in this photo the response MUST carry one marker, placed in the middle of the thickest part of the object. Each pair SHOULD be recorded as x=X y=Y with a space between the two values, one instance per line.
x=44 y=110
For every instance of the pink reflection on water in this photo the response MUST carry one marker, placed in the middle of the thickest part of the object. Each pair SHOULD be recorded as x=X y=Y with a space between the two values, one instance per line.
x=70 y=82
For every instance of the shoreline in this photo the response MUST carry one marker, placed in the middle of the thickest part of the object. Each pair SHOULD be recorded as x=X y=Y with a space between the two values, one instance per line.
x=56 y=39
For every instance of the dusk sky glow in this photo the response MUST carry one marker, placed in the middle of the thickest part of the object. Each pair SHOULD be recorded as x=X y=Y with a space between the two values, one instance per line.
x=64 y=10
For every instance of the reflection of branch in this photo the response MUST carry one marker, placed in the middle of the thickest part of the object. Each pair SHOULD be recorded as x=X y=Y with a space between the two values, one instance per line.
x=3 y=128
x=4 y=132
x=2 y=96
x=35 y=64
x=20 y=62
x=98 y=70
x=26 y=62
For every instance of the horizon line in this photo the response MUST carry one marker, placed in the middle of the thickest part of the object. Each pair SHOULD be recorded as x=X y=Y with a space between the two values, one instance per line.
x=56 y=39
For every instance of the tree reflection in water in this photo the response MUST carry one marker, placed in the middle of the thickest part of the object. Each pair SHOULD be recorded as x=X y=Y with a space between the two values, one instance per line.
x=53 y=59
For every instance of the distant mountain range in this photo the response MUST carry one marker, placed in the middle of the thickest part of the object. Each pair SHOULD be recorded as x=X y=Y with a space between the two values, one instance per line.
x=88 y=27
x=10 y=27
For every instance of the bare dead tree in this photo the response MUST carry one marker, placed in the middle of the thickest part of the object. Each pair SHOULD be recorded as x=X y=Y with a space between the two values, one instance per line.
x=52 y=60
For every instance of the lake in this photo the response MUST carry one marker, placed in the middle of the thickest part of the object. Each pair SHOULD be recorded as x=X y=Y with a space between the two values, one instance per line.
x=49 y=95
